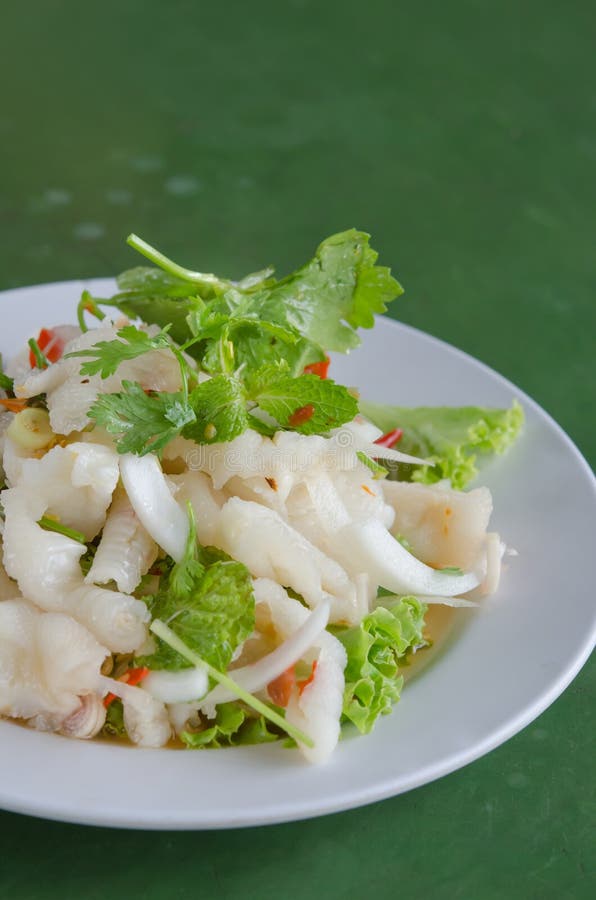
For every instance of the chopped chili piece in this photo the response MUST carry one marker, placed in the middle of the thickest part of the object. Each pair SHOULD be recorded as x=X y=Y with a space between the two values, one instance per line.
x=391 y=438
x=318 y=368
x=301 y=415
x=280 y=689
x=14 y=404
x=309 y=680
x=132 y=677
x=51 y=345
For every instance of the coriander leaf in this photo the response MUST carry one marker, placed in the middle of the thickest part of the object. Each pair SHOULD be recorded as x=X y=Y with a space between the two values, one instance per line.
x=233 y=725
x=142 y=423
x=307 y=404
x=375 y=650
x=208 y=602
x=450 y=437
x=220 y=413
x=334 y=294
x=147 y=281
x=131 y=343
x=157 y=310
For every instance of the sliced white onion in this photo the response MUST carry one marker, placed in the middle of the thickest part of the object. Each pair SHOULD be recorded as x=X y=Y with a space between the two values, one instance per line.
x=377 y=452
x=177 y=687
x=152 y=501
x=494 y=553
x=369 y=547
x=456 y=602
x=256 y=676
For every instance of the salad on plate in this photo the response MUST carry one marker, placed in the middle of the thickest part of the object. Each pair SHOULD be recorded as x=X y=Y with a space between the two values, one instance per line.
x=204 y=540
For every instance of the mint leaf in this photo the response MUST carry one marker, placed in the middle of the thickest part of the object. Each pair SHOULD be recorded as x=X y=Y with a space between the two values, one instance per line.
x=219 y=407
x=375 y=650
x=207 y=599
x=142 y=423
x=450 y=437
x=307 y=404
x=131 y=342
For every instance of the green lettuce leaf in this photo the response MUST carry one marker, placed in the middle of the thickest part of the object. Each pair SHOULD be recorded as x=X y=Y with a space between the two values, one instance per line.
x=207 y=600
x=375 y=650
x=233 y=725
x=451 y=437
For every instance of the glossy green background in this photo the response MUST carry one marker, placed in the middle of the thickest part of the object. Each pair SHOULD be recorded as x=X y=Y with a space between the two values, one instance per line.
x=463 y=135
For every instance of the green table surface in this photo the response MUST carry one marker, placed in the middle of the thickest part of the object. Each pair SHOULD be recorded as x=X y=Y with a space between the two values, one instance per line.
x=463 y=135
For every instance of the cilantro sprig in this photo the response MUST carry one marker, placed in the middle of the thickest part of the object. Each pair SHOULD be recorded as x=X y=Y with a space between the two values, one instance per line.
x=131 y=343
x=254 y=337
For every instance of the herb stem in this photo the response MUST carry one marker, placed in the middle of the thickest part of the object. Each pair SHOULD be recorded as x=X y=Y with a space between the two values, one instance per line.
x=40 y=360
x=169 y=637
x=88 y=304
x=201 y=278
x=49 y=524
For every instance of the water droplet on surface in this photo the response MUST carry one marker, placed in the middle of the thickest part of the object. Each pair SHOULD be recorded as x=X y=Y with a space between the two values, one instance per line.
x=182 y=185
x=118 y=196
x=88 y=231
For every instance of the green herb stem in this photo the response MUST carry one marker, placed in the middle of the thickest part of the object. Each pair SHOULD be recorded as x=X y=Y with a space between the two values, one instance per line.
x=40 y=360
x=49 y=524
x=169 y=637
x=201 y=278
x=88 y=304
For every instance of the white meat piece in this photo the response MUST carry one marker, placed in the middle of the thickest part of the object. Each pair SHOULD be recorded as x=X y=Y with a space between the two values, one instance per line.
x=47 y=662
x=70 y=394
x=270 y=548
x=76 y=483
x=317 y=710
x=145 y=718
x=206 y=503
x=9 y=589
x=444 y=527
x=126 y=551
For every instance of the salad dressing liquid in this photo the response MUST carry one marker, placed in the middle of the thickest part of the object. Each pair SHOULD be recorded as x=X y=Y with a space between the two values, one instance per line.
x=439 y=624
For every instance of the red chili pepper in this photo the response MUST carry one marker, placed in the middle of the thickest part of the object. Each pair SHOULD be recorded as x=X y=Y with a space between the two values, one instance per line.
x=319 y=368
x=301 y=415
x=391 y=438
x=14 y=404
x=50 y=344
x=280 y=689
x=132 y=677
x=309 y=680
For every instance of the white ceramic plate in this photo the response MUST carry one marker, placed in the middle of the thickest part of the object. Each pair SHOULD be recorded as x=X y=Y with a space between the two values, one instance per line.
x=502 y=666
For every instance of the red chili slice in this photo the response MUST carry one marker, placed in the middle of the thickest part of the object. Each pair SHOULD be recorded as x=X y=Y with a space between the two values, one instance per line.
x=309 y=680
x=301 y=415
x=50 y=344
x=391 y=438
x=132 y=677
x=280 y=689
x=318 y=368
